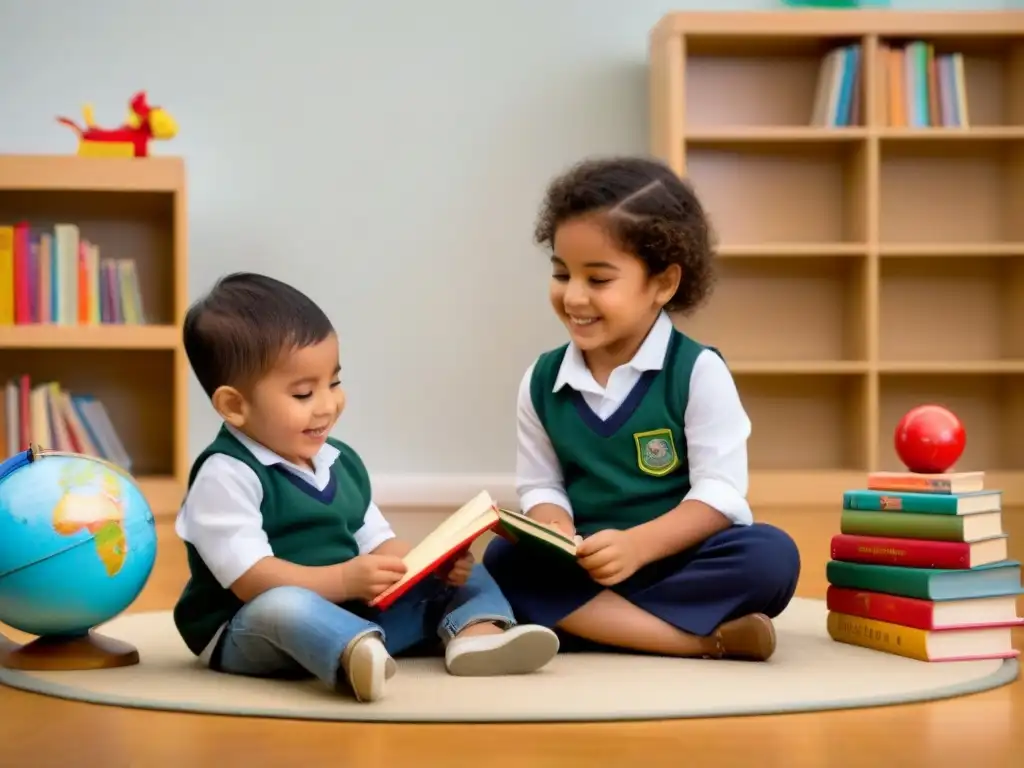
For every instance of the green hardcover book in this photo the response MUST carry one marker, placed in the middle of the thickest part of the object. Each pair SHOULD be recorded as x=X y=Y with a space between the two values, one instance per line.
x=924 y=503
x=1002 y=578
x=922 y=526
x=527 y=532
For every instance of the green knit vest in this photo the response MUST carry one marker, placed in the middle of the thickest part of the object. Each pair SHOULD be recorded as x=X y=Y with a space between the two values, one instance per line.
x=632 y=467
x=304 y=526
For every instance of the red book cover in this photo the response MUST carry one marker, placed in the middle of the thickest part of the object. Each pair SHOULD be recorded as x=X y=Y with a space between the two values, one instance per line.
x=22 y=255
x=895 y=609
x=908 y=553
x=388 y=597
x=906 y=611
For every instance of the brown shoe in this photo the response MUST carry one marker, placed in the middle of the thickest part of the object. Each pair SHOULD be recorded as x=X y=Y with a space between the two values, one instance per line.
x=749 y=638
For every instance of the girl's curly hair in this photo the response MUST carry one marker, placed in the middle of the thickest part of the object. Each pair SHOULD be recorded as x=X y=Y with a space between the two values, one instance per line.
x=649 y=211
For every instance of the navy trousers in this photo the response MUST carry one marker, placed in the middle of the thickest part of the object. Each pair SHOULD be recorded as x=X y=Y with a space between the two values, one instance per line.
x=741 y=570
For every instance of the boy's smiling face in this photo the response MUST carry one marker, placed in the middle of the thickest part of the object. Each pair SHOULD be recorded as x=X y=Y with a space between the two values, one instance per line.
x=292 y=409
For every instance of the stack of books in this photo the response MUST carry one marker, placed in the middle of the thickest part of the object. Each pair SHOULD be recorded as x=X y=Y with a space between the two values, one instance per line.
x=920 y=569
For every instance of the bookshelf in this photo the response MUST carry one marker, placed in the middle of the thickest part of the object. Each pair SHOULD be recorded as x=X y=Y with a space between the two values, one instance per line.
x=863 y=267
x=133 y=211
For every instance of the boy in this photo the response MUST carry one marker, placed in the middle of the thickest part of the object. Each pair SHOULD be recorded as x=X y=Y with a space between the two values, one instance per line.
x=285 y=545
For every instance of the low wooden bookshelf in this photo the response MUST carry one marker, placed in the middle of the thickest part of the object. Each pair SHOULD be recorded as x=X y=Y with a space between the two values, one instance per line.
x=863 y=269
x=131 y=209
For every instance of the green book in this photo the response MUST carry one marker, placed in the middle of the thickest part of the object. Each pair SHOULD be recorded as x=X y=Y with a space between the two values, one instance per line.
x=1002 y=578
x=525 y=531
x=924 y=503
x=922 y=526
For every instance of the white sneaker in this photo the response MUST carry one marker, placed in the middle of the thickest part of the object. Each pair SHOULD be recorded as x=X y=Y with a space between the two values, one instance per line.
x=368 y=666
x=515 y=651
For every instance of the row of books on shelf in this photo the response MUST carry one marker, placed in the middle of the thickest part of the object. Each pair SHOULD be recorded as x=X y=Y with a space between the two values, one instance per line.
x=57 y=276
x=920 y=568
x=839 y=98
x=50 y=416
x=920 y=88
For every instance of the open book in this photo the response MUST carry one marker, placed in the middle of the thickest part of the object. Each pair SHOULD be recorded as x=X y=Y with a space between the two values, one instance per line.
x=453 y=537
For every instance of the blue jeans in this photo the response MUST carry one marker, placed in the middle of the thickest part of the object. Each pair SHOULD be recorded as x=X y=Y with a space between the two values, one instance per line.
x=294 y=632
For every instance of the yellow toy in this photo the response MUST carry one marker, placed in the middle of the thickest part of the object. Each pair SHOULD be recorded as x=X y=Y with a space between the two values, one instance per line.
x=131 y=139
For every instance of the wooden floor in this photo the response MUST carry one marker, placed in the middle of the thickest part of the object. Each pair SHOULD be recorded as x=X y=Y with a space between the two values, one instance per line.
x=984 y=729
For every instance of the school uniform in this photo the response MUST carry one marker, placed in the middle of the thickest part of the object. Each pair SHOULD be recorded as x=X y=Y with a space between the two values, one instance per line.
x=246 y=503
x=668 y=426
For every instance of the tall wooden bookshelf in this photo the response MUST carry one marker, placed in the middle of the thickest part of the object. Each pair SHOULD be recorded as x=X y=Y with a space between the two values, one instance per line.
x=862 y=270
x=130 y=208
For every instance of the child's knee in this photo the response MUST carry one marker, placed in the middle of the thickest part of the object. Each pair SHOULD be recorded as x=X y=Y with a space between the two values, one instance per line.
x=773 y=567
x=281 y=606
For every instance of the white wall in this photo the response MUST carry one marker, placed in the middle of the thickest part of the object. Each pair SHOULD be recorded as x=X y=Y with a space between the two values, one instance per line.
x=386 y=157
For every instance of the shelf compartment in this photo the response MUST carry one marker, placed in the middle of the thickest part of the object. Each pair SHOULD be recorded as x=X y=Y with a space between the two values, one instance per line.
x=808 y=310
x=993 y=75
x=991 y=407
x=968 y=192
x=770 y=80
x=138 y=225
x=790 y=193
x=136 y=388
x=959 y=310
x=805 y=422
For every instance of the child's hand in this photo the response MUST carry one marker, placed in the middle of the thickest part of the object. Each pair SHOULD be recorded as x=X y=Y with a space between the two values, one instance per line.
x=367 y=576
x=460 y=570
x=609 y=556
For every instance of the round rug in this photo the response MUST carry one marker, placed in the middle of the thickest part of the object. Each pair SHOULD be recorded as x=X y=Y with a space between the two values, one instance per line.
x=808 y=672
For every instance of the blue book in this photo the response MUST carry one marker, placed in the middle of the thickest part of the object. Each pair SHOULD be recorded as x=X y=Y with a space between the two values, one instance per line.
x=924 y=503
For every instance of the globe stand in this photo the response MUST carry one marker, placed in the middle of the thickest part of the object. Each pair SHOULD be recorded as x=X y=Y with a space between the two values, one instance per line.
x=63 y=653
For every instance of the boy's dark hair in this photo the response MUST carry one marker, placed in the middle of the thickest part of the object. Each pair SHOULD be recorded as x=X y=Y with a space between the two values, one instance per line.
x=649 y=212
x=235 y=333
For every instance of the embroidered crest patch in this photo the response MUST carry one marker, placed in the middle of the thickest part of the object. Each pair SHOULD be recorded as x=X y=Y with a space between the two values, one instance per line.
x=656 y=451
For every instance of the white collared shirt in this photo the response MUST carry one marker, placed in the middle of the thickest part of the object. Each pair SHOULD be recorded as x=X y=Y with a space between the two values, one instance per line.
x=221 y=516
x=716 y=426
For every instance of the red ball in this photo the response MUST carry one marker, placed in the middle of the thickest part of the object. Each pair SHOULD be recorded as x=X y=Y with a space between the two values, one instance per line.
x=929 y=439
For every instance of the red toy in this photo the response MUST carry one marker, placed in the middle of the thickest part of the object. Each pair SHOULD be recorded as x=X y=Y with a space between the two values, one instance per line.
x=131 y=139
x=930 y=439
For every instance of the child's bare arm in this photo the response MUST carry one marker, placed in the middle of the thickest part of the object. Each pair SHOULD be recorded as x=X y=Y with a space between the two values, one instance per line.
x=552 y=514
x=222 y=519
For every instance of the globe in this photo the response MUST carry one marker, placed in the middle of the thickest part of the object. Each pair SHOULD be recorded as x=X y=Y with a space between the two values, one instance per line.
x=77 y=543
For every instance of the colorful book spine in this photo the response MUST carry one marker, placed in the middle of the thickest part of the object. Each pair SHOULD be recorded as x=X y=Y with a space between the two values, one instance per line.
x=56 y=276
x=896 y=609
x=911 y=642
x=913 y=526
x=910 y=553
x=912 y=502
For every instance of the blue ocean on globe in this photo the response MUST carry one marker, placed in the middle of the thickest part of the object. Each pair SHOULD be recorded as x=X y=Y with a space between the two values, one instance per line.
x=77 y=543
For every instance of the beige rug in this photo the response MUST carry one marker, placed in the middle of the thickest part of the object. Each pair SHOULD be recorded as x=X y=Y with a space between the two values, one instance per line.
x=808 y=672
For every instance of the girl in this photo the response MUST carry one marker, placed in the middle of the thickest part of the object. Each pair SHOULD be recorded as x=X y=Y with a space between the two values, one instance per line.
x=632 y=437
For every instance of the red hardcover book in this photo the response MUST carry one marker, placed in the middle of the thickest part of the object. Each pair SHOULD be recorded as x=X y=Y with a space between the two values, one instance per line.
x=972 y=613
x=918 y=553
x=454 y=536
x=442 y=546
